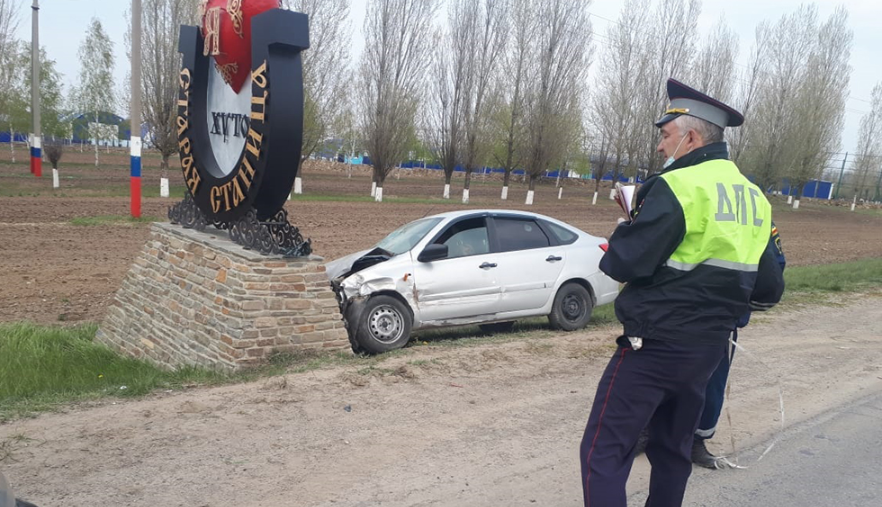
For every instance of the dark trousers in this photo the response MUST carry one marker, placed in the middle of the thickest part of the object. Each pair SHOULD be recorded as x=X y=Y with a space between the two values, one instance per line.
x=660 y=387
x=714 y=395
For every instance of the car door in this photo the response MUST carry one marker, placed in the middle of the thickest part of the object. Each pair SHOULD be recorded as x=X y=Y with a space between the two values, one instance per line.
x=530 y=263
x=463 y=284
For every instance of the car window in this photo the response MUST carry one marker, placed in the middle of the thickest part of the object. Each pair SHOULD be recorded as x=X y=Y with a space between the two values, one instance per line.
x=405 y=237
x=564 y=236
x=466 y=237
x=518 y=234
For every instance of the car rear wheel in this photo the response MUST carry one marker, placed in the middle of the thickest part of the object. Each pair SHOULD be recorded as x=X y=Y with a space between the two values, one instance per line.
x=497 y=327
x=384 y=325
x=572 y=308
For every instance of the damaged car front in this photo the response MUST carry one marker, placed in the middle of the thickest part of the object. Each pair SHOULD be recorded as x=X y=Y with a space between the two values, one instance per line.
x=381 y=274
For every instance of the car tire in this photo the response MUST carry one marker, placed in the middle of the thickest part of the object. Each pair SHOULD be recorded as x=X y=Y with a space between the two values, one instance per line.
x=383 y=325
x=572 y=308
x=497 y=327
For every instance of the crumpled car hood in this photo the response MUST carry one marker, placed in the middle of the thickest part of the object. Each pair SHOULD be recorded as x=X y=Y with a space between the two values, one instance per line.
x=342 y=265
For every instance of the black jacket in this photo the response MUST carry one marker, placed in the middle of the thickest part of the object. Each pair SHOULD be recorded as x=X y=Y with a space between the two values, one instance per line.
x=664 y=303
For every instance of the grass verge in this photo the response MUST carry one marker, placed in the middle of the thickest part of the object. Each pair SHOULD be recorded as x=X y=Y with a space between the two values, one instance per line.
x=111 y=220
x=43 y=368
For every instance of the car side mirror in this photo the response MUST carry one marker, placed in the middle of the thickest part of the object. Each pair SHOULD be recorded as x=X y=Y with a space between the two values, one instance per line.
x=432 y=253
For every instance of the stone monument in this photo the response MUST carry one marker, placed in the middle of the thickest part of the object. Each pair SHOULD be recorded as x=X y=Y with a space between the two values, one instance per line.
x=231 y=296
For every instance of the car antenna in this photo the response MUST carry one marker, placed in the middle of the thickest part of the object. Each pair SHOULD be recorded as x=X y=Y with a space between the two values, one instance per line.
x=427 y=211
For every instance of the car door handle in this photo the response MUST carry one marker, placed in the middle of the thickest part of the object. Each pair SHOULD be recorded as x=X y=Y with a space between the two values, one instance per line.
x=552 y=258
x=487 y=265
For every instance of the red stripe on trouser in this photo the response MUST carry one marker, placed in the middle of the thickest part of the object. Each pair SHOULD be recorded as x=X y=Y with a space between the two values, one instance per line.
x=599 y=425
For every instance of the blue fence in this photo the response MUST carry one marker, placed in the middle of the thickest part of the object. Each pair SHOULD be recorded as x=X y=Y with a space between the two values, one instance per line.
x=815 y=188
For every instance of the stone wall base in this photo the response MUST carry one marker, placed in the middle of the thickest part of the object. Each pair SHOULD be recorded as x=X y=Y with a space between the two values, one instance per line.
x=197 y=298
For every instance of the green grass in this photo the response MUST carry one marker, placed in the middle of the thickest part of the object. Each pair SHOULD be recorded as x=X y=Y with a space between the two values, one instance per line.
x=46 y=367
x=110 y=220
x=43 y=367
x=846 y=277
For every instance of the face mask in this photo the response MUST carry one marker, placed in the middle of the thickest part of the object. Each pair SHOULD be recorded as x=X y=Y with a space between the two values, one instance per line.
x=671 y=159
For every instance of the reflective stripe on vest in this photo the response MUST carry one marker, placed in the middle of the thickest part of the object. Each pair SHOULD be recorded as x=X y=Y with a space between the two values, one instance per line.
x=728 y=219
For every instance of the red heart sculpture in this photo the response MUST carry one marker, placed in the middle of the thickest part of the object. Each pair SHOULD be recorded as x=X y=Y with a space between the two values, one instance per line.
x=226 y=28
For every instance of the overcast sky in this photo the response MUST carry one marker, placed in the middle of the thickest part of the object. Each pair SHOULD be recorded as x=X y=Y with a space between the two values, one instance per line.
x=63 y=25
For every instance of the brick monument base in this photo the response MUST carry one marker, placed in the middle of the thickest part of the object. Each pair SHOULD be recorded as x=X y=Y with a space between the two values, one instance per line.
x=197 y=298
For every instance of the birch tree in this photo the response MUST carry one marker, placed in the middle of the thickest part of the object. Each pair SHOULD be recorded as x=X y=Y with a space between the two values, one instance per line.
x=9 y=95
x=395 y=58
x=325 y=66
x=95 y=90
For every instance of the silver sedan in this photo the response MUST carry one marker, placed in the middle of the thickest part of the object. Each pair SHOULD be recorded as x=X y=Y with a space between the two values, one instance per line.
x=485 y=267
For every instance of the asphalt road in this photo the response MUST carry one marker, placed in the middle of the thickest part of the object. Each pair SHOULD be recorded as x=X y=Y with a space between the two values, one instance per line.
x=834 y=460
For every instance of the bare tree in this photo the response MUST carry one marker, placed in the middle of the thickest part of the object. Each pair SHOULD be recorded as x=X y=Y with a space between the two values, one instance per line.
x=770 y=148
x=668 y=47
x=508 y=112
x=821 y=97
x=868 y=162
x=446 y=108
x=396 y=54
x=624 y=70
x=714 y=69
x=324 y=70
x=94 y=93
x=554 y=84
x=487 y=34
x=751 y=82
x=161 y=63
x=54 y=149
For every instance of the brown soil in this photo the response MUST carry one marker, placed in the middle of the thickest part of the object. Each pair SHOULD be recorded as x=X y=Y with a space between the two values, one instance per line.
x=489 y=425
x=54 y=271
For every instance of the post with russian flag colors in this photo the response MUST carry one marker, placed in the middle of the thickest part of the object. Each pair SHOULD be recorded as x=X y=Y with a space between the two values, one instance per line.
x=135 y=122
x=36 y=146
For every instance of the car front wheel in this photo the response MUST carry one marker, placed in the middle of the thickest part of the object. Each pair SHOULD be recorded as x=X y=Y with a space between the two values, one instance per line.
x=384 y=325
x=572 y=308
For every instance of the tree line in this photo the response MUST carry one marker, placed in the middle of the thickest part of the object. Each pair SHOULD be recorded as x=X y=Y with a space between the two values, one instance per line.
x=506 y=84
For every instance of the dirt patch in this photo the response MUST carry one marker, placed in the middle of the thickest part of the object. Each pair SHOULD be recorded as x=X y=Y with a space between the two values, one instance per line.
x=487 y=425
x=57 y=272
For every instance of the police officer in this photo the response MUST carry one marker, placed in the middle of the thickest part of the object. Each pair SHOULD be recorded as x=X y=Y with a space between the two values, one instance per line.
x=716 y=385
x=694 y=258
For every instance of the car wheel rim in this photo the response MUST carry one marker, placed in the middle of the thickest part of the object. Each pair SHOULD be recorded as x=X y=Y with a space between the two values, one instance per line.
x=386 y=324
x=573 y=307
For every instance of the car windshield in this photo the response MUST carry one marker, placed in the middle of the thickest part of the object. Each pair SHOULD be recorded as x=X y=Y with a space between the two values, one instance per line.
x=405 y=237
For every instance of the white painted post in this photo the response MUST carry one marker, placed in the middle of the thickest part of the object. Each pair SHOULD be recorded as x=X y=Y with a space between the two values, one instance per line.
x=529 y=197
x=504 y=193
x=612 y=194
x=853 y=202
x=446 y=194
x=465 y=196
x=298 y=185
x=559 y=192
x=796 y=204
x=373 y=189
x=790 y=199
x=55 y=178
x=594 y=200
x=379 y=196
x=163 y=187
